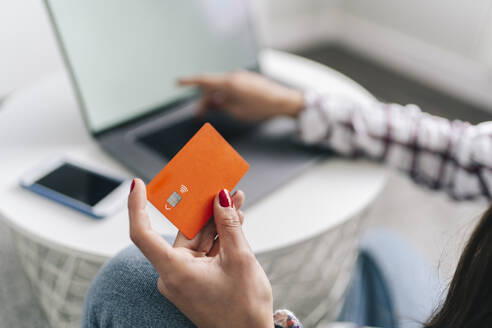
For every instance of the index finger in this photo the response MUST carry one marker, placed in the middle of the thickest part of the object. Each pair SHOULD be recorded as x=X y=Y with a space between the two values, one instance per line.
x=205 y=81
x=158 y=251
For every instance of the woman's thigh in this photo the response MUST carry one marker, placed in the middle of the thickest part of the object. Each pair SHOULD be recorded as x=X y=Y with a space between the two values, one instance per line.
x=124 y=294
x=393 y=278
x=413 y=283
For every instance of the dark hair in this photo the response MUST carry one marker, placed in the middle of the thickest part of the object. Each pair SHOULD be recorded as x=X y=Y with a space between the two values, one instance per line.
x=469 y=300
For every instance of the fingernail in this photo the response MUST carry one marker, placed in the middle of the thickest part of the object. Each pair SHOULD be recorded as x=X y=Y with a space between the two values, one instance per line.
x=132 y=186
x=225 y=198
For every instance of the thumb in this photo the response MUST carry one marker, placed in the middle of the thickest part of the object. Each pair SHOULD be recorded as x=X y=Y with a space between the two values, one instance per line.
x=152 y=245
x=228 y=224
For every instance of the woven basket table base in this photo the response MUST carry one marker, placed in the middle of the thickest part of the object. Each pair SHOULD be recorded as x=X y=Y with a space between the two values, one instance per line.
x=309 y=278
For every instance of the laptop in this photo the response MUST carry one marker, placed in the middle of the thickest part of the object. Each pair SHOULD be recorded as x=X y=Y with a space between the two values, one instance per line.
x=125 y=57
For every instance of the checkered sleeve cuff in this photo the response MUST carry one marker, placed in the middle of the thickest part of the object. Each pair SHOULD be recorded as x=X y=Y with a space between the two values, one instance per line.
x=285 y=319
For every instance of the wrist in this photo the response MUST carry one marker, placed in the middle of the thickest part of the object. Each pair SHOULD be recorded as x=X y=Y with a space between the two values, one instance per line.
x=256 y=320
x=261 y=322
x=293 y=103
x=257 y=314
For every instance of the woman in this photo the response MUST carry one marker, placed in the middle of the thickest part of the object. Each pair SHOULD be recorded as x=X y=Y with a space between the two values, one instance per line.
x=217 y=282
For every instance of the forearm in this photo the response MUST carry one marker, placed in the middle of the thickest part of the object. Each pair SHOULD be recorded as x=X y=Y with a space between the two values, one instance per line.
x=453 y=156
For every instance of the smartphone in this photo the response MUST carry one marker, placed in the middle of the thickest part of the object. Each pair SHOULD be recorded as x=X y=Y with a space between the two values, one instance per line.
x=74 y=184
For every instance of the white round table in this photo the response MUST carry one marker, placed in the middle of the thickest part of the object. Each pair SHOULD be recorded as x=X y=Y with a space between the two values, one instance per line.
x=307 y=246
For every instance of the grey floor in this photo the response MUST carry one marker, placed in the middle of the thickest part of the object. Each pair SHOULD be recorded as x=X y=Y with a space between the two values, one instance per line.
x=433 y=223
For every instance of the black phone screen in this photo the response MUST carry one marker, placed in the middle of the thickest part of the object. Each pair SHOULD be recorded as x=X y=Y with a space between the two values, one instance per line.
x=78 y=183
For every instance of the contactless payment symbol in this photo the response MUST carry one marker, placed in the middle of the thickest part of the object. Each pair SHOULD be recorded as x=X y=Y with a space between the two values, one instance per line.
x=183 y=189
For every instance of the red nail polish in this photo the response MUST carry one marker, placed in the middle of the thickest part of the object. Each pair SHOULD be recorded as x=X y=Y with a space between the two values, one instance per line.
x=225 y=198
x=133 y=185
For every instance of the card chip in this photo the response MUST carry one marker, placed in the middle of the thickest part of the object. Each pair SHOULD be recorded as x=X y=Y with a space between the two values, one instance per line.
x=174 y=199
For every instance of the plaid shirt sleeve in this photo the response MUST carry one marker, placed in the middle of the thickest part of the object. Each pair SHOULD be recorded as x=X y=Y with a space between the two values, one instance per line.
x=454 y=156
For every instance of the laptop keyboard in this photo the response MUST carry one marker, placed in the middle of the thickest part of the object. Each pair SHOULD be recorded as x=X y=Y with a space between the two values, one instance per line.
x=169 y=140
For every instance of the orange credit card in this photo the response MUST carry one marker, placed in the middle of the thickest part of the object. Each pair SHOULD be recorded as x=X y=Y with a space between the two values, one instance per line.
x=185 y=188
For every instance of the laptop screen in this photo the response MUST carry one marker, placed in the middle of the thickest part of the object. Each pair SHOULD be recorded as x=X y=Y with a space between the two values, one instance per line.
x=125 y=56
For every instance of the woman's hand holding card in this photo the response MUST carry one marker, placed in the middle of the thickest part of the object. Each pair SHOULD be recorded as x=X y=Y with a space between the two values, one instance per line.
x=215 y=282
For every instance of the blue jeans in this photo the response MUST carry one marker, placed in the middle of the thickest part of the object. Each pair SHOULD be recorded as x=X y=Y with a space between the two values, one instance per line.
x=124 y=294
x=392 y=286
